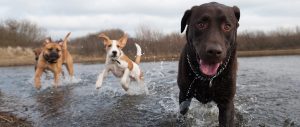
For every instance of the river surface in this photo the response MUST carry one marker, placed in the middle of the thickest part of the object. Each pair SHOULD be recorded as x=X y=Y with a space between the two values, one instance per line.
x=268 y=95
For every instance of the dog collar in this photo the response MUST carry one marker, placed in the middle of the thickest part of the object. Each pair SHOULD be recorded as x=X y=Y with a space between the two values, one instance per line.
x=116 y=61
x=198 y=74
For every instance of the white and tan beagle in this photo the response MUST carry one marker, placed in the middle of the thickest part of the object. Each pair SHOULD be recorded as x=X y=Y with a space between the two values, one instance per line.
x=119 y=64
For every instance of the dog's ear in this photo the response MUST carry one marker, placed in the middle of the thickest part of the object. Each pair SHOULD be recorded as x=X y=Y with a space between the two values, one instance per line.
x=47 y=40
x=61 y=43
x=185 y=19
x=37 y=51
x=123 y=40
x=236 y=11
x=106 y=39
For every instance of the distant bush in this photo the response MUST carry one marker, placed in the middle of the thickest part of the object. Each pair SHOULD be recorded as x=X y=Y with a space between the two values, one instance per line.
x=153 y=43
x=20 y=33
x=279 y=39
x=24 y=33
x=91 y=45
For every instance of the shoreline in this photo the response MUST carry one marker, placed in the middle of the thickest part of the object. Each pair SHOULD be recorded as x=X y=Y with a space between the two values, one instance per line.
x=10 y=120
x=29 y=60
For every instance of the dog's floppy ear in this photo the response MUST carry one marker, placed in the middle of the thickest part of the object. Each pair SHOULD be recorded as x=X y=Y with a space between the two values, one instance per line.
x=185 y=19
x=123 y=40
x=236 y=11
x=106 y=39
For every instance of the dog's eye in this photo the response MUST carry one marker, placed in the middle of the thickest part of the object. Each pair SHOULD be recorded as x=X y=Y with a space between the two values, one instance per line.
x=50 y=49
x=201 y=26
x=226 y=27
x=109 y=46
x=118 y=46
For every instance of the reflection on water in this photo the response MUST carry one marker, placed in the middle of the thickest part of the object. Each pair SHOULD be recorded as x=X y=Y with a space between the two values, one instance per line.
x=50 y=101
x=267 y=95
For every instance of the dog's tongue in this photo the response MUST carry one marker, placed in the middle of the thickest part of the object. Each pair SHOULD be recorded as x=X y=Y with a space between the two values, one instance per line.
x=208 y=69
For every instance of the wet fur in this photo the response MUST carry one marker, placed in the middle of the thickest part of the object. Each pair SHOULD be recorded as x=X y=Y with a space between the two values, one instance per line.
x=55 y=66
x=223 y=87
x=119 y=64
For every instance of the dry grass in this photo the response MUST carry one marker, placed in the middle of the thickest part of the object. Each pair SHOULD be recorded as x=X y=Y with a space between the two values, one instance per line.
x=9 y=120
x=269 y=53
x=16 y=56
x=87 y=59
x=25 y=56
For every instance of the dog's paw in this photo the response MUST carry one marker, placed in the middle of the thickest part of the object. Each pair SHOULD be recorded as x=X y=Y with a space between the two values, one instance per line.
x=98 y=87
x=72 y=79
x=37 y=87
x=180 y=118
x=184 y=106
x=125 y=87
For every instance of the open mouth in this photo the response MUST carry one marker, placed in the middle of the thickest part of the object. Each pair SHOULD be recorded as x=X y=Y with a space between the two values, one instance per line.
x=208 y=68
x=113 y=56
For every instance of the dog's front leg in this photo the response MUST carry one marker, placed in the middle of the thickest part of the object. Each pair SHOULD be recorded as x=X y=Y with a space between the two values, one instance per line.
x=37 y=78
x=56 y=78
x=57 y=72
x=125 y=80
x=184 y=102
x=142 y=84
x=101 y=76
x=226 y=114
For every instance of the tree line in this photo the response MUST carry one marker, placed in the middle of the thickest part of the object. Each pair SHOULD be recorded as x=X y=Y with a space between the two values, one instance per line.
x=20 y=33
x=24 y=33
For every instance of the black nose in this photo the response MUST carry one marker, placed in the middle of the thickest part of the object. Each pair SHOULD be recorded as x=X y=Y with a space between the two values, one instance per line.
x=53 y=54
x=214 y=50
x=114 y=53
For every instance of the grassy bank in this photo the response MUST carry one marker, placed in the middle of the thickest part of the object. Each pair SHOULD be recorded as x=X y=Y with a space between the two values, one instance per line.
x=16 y=56
x=9 y=120
x=25 y=56
x=269 y=53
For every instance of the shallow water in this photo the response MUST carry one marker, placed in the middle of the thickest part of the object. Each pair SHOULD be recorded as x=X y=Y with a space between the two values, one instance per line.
x=268 y=92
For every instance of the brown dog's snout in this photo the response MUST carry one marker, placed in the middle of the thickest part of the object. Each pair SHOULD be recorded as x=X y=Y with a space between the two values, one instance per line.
x=53 y=54
x=214 y=50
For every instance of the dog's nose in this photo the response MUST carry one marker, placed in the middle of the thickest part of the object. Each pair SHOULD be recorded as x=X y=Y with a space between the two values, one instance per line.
x=214 y=50
x=114 y=53
x=53 y=55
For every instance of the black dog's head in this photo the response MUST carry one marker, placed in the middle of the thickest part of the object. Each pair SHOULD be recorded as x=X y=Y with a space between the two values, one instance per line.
x=211 y=31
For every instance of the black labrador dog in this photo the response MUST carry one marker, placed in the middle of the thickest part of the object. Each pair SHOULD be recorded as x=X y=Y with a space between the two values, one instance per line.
x=208 y=62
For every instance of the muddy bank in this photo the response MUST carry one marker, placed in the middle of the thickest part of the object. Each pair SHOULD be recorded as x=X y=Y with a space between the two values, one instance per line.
x=9 y=120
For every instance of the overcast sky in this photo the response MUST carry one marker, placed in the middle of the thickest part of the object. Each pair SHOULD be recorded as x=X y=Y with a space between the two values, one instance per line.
x=89 y=16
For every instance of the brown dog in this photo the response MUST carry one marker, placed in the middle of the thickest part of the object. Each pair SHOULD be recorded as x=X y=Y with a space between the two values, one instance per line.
x=37 y=52
x=208 y=62
x=52 y=57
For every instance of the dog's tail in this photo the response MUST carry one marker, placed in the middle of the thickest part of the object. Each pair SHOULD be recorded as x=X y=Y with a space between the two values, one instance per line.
x=138 y=53
x=65 y=41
